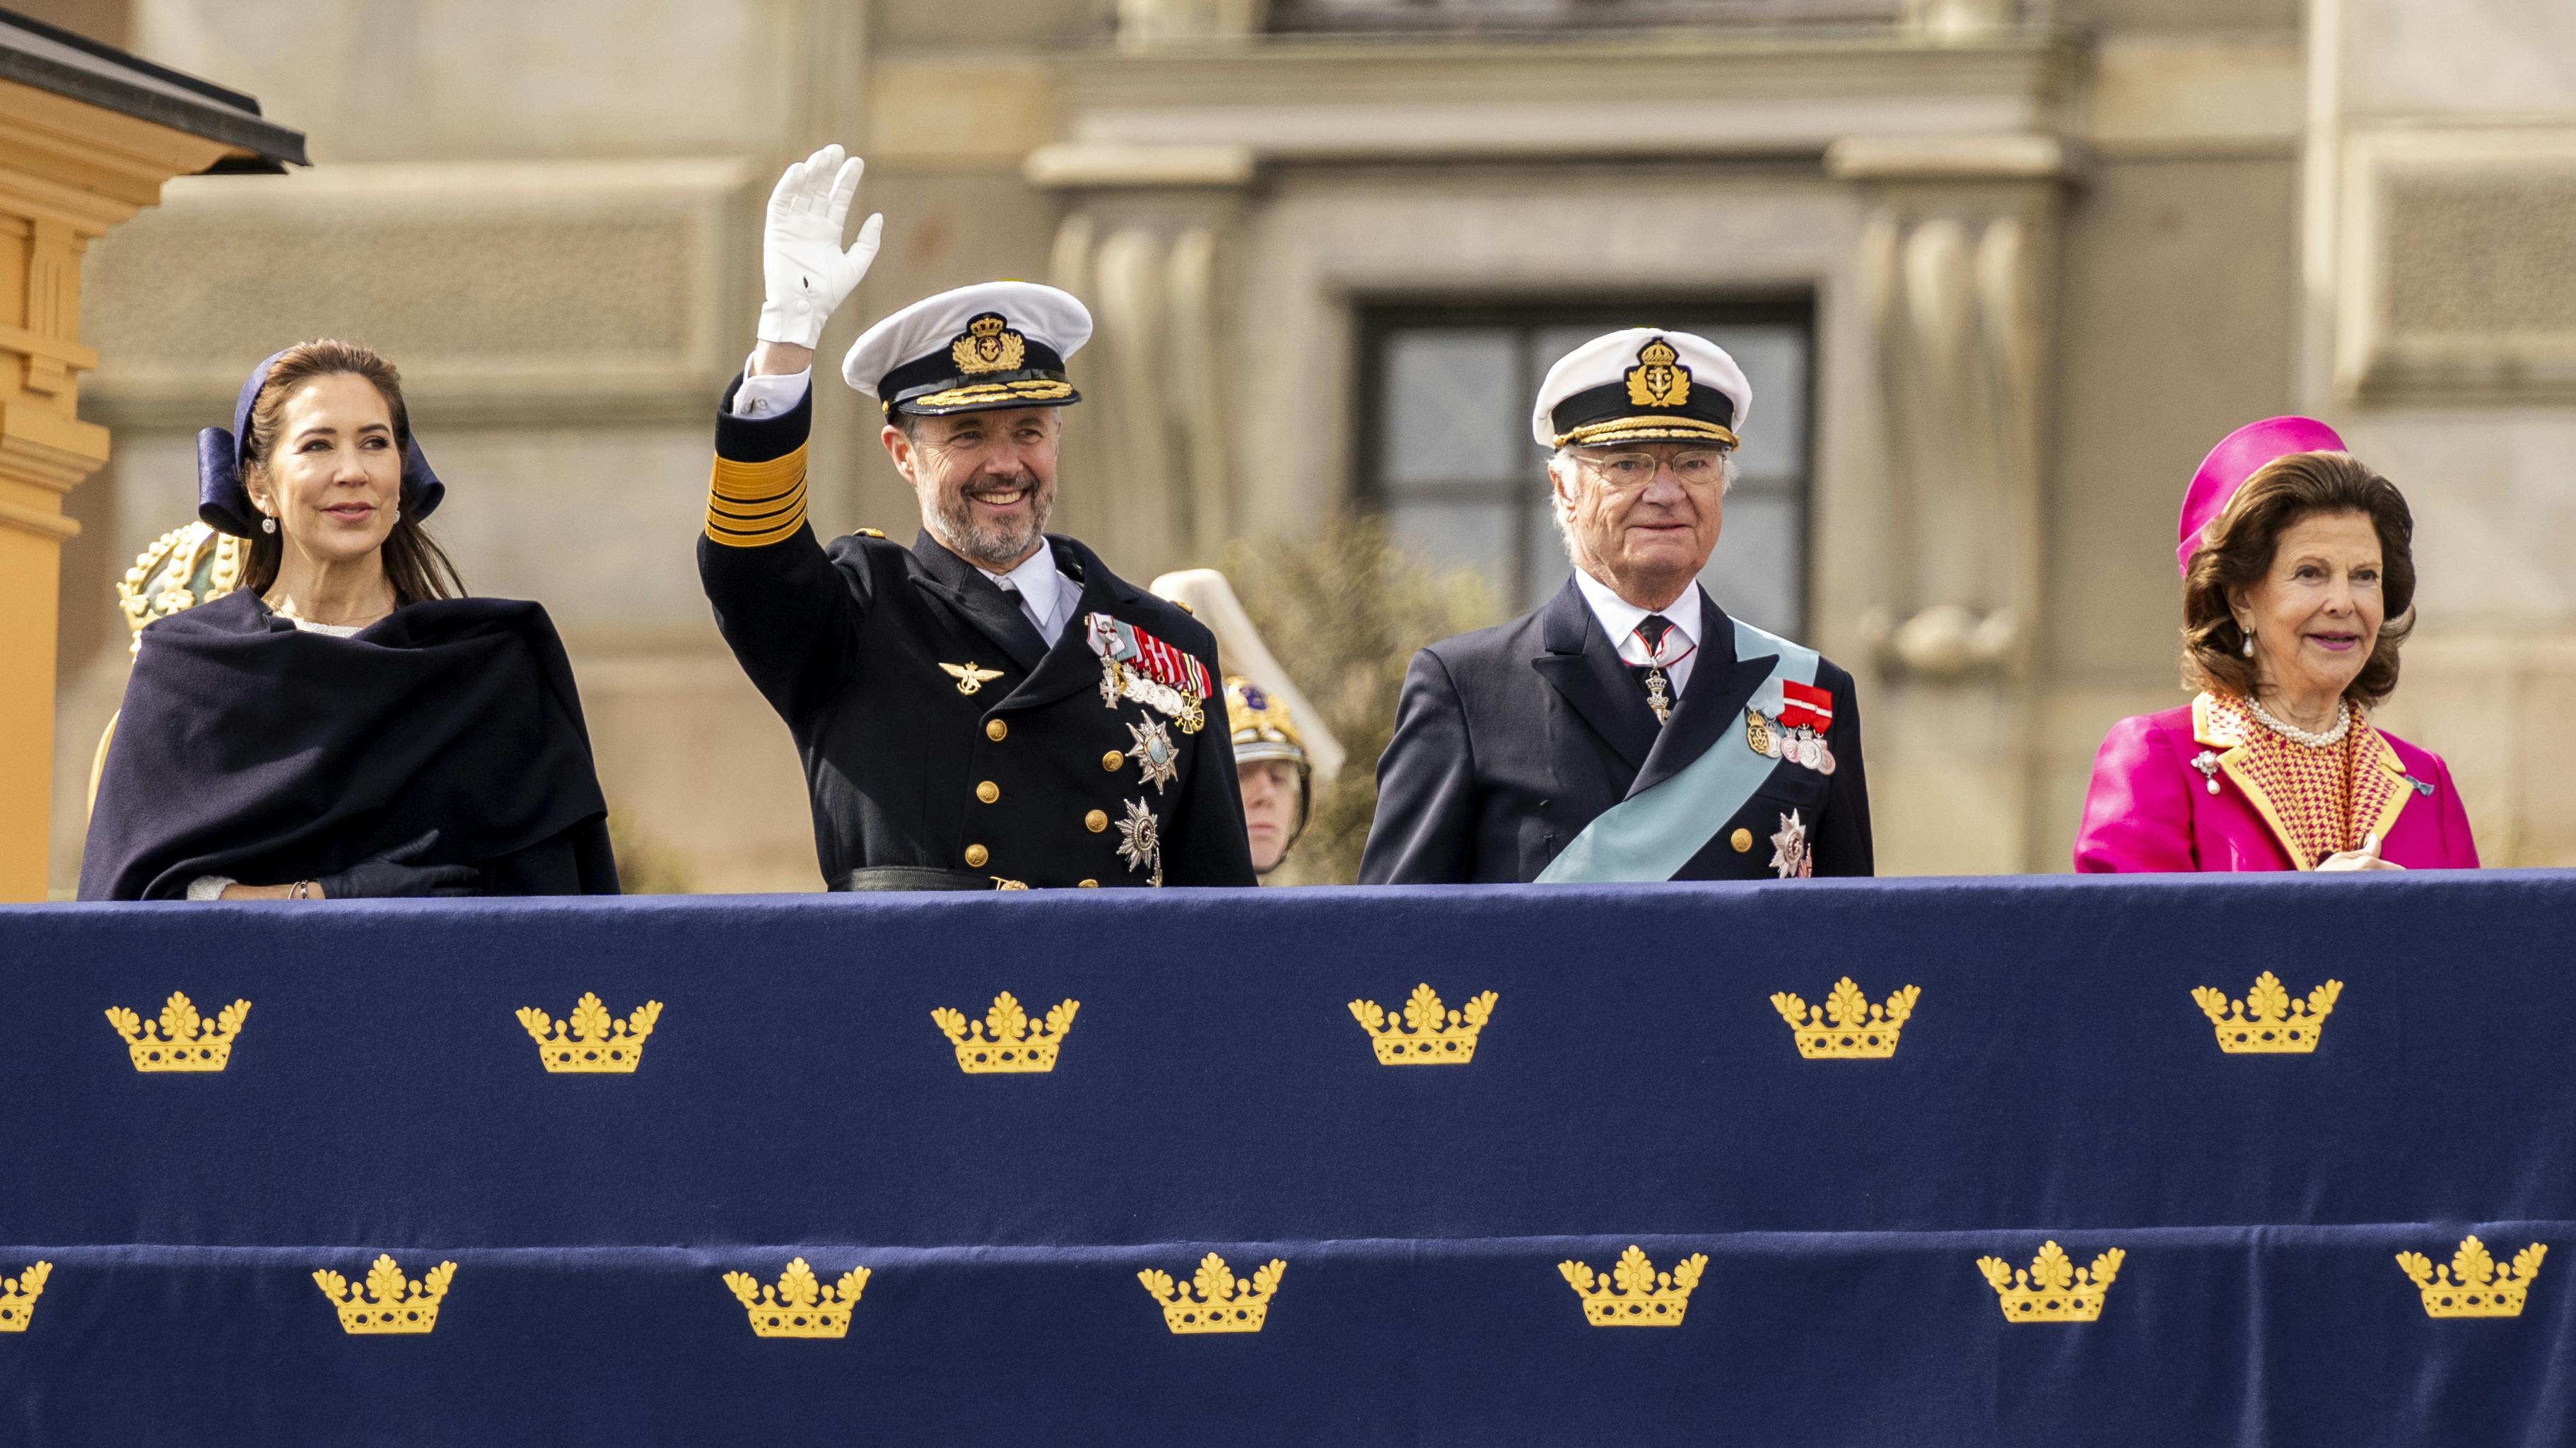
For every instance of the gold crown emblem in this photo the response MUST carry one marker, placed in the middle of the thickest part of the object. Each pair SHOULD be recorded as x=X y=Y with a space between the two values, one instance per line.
x=183 y=1040
x=2054 y=1289
x=18 y=1296
x=1431 y=1035
x=2268 y=1021
x=799 y=1306
x=389 y=1303
x=2471 y=1286
x=1846 y=1027
x=988 y=345
x=590 y=1039
x=1635 y=1294
x=1655 y=381
x=1222 y=1302
x=1005 y=1041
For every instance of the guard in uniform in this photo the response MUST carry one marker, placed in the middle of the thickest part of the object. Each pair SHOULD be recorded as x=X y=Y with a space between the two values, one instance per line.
x=1627 y=730
x=990 y=708
x=1282 y=746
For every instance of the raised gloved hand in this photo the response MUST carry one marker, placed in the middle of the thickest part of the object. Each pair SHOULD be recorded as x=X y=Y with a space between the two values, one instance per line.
x=391 y=876
x=806 y=271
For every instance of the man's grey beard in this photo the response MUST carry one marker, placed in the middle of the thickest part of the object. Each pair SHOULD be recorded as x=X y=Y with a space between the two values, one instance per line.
x=995 y=546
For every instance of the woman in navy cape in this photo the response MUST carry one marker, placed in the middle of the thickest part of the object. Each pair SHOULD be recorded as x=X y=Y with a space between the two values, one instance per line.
x=344 y=724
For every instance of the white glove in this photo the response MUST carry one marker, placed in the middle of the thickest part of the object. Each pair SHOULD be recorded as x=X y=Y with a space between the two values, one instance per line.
x=806 y=271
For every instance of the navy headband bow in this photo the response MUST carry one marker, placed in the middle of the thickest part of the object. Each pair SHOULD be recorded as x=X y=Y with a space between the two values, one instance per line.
x=224 y=504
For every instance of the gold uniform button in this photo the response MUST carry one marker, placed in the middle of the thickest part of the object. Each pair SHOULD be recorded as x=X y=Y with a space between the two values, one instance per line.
x=988 y=791
x=1087 y=884
x=976 y=855
x=1096 y=821
x=1742 y=840
x=996 y=730
x=1112 y=760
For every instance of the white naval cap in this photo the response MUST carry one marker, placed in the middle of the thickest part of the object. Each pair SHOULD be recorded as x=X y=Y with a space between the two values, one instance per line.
x=993 y=344
x=1646 y=384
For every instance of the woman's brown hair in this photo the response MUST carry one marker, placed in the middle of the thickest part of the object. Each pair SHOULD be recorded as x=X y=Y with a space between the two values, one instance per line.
x=2236 y=554
x=415 y=565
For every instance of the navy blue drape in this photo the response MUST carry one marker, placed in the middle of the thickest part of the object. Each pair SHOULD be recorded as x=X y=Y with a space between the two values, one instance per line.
x=1214 y=1093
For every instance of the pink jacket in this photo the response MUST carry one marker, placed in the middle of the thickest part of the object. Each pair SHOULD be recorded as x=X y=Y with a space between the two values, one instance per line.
x=2149 y=808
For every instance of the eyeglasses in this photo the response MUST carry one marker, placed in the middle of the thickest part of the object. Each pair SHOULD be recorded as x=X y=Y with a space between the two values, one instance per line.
x=1692 y=467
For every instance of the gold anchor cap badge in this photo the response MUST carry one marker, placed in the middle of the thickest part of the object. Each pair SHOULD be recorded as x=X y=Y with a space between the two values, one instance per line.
x=970 y=679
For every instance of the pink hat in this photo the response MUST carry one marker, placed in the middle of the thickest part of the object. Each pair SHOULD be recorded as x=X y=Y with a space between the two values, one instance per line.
x=2240 y=455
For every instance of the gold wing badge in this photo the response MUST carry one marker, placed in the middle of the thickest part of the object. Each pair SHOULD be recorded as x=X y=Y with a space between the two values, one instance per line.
x=970 y=679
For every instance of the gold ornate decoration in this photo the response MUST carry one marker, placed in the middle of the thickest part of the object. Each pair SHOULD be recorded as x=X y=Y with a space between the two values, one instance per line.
x=1262 y=724
x=1757 y=734
x=970 y=679
x=1005 y=1041
x=183 y=1041
x=18 y=1296
x=389 y=1304
x=799 y=1306
x=2054 y=1289
x=988 y=345
x=1431 y=1036
x=1214 y=1300
x=183 y=568
x=2268 y=1021
x=2471 y=1286
x=1634 y=1294
x=1846 y=1027
x=591 y=1040
x=1027 y=389
x=1658 y=379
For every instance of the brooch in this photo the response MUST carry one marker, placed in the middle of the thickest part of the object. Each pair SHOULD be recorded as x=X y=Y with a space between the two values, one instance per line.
x=2207 y=763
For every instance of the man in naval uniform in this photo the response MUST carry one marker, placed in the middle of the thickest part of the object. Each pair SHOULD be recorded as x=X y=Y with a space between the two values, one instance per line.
x=1627 y=730
x=990 y=708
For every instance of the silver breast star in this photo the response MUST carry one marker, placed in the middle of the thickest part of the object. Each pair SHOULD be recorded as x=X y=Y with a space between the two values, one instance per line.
x=1789 y=849
x=1139 y=843
x=1153 y=753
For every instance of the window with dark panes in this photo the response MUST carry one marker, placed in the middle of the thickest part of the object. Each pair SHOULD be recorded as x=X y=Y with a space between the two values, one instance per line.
x=1446 y=452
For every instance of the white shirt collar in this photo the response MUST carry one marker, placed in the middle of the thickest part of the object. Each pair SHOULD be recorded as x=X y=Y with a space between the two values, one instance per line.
x=1619 y=618
x=1041 y=587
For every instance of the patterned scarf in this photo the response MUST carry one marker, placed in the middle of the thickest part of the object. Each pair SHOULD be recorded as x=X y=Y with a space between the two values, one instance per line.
x=2323 y=796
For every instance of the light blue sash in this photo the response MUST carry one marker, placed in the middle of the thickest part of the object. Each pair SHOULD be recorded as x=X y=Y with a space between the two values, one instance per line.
x=1651 y=834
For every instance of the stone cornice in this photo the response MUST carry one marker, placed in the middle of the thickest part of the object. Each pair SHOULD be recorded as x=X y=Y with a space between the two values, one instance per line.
x=1665 y=94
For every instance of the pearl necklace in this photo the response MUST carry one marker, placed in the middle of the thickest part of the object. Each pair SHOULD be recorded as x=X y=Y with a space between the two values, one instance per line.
x=2297 y=735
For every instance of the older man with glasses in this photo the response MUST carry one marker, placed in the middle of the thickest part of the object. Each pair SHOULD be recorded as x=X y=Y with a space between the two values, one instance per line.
x=1627 y=730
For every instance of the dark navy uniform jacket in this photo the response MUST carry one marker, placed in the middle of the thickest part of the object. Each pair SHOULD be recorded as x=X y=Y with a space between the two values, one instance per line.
x=1508 y=741
x=1027 y=778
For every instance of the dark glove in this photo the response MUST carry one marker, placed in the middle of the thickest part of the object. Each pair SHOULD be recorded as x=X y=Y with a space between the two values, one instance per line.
x=389 y=876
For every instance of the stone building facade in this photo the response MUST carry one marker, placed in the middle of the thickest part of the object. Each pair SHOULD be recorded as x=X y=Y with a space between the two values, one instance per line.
x=2011 y=267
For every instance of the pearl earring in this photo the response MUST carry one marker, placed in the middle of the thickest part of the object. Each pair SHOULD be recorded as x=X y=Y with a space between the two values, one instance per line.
x=268 y=525
x=2249 y=643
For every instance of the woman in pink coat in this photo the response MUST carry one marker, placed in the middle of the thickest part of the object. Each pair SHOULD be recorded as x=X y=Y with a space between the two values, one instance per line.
x=2298 y=590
